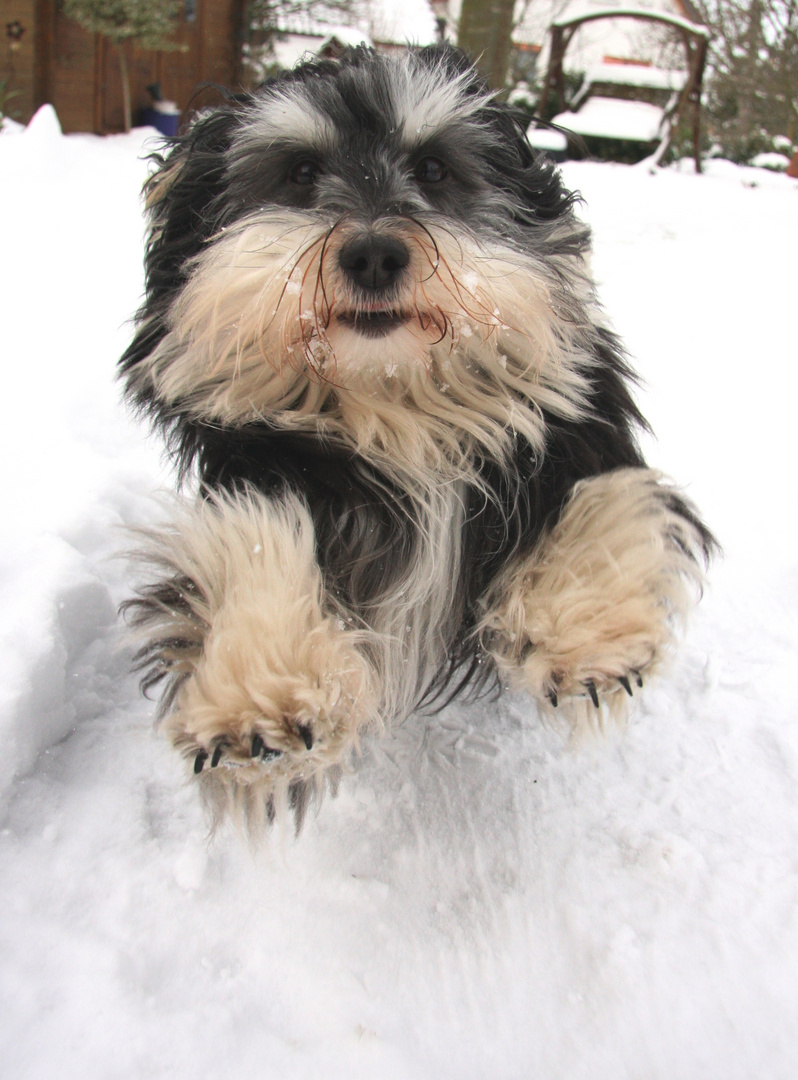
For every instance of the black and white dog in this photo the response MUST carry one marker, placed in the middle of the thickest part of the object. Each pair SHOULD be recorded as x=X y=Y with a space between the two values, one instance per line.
x=371 y=337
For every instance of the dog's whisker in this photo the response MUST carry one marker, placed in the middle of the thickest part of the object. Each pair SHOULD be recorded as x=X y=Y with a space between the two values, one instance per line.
x=322 y=254
x=434 y=262
x=322 y=321
x=264 y=326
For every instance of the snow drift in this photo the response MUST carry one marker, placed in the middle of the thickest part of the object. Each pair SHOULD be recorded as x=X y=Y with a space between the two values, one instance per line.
x=481 y=900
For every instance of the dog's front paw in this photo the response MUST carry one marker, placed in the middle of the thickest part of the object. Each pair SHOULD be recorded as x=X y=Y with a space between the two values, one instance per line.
x=282 y=731
x=589 y=614
x=262 y=732
x=266 y=687
x=267 y=713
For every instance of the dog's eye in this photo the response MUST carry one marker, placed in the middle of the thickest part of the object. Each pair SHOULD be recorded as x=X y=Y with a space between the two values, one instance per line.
x=305 y=173
x=430 y=171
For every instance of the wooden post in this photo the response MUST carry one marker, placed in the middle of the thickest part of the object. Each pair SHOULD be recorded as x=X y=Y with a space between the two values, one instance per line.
x=99 y=84
x=553 y=97
x=701 y=46
x=43 y=53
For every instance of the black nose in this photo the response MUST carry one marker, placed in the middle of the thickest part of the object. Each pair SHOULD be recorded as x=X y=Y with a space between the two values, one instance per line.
x=374 y=262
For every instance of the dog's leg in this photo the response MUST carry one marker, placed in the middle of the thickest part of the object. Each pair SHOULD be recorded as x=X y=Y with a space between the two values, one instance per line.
x=592 y=610
x=266 y=686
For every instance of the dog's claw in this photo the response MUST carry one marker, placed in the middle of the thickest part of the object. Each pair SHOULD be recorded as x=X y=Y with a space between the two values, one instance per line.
x=638 y=678
x=217 y=755
x=199 y=761
x=622 y=679
x=551 y=694
x=259 y=749
x=307 y=735
x=591 y=689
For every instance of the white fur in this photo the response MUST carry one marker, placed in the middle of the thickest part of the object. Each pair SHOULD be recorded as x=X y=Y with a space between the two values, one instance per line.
x=285 y=115
x=255 y=333
x=427 y=100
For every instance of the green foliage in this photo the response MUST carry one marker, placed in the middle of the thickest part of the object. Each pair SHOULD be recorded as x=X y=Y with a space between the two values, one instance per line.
x=147 y=22
x=7 y=95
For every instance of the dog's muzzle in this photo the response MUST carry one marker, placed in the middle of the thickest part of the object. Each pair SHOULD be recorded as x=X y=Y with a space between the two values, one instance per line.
x=373 y=266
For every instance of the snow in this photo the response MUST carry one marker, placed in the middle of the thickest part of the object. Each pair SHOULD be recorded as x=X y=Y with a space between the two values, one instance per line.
x=771 y=160
x=482 y=899
x=397 y=21
x=546 y=139
x=626 y=74
x=614 y=118
x=402 y=21
x=643 y=11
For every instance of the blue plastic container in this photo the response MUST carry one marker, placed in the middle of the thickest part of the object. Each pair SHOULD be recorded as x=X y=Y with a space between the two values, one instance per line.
x=165 y=122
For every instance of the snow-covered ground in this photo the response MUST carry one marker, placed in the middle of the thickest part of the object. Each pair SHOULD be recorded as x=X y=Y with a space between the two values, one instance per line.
x=481 y=900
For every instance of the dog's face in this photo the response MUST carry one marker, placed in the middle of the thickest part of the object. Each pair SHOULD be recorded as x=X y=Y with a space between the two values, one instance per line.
x=375 y=227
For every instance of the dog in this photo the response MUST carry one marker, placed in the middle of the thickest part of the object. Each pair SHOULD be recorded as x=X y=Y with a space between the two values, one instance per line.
x=372 y=344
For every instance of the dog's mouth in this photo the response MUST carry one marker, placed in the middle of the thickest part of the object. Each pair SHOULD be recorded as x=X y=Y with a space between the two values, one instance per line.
x=374 y=324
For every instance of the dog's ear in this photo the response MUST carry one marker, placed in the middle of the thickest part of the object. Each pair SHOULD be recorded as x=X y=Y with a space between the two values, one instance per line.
x=530 y=175
x=181 y=198
x=182 y=201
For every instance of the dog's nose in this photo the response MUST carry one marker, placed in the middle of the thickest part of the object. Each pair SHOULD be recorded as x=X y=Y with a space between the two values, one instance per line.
x=374 y=262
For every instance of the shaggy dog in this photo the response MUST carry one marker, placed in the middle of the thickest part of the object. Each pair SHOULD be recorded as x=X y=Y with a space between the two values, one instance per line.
x=371 y=341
